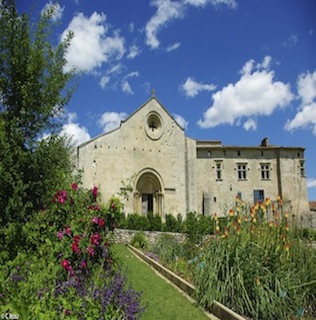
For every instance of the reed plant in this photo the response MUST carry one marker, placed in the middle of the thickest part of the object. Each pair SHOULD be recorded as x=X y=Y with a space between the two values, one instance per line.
x=257 y=265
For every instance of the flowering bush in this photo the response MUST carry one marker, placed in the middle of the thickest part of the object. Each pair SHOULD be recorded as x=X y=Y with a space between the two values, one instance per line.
x=69 y=270
x=257 y=266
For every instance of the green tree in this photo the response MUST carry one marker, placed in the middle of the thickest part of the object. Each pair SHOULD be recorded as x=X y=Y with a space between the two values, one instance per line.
x=34 y=89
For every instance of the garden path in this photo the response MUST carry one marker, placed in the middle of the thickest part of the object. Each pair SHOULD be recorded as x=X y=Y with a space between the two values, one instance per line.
x=163 y=300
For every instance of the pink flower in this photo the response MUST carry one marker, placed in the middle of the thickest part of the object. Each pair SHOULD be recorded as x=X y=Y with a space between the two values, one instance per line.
x=91 y=251
x=60 y=235
x=67 y=230
x=83 y=264
x=113 y=205
x=95 y=239
x=101 y=222
x=74 y=186
x=95 y=192
x=95 y=220
x=67 y=312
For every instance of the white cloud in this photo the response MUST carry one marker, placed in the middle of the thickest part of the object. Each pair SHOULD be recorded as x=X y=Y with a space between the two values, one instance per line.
x=104 y=81
x=306 y=87
x=291 y=41
x=191 y=88
x=126 y=87
x=91 y=45
x=202 y=3
x=306 y=118
x=306 y=115
x=111 y=120
x=57 y=10
x=173 y=47
x=168 y=10
x=134 y=51
x=181 y=121
x=311 y=183
x=254 y=94
x=73 y=130
x=250 y=124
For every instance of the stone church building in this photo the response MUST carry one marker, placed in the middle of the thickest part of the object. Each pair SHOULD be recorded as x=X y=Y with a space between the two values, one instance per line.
x=164 y=171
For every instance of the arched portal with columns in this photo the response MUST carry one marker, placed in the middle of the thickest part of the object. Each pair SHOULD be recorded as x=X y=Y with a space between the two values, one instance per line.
x=148 y=195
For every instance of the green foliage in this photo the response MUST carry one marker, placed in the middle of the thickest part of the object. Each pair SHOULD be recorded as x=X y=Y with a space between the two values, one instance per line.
x=33 y=94
x=197 y=225
x=139 y=240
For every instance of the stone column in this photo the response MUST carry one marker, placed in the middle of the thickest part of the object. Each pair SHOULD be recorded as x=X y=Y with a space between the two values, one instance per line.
x=136 y=202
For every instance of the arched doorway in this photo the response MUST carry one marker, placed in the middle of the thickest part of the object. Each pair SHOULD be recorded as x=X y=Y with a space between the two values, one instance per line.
x=148 y=195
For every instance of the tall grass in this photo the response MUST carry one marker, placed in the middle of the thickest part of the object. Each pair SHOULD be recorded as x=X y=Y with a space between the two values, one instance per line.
x=257 y=266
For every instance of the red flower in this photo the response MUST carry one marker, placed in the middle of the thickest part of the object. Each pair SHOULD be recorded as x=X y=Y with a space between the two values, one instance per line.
x=67 y=312
x=95 y=239
x=77 y=239
x=65 y=264
x=83 y=264
x=101 y=222
x=67 y=230
x=74 y=186
x=75 y=247
x=91 y=251
x=95 y=192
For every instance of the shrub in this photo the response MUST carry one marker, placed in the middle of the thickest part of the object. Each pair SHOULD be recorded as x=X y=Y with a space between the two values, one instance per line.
x=69 y=269
x=155 y=223
x=139 y=240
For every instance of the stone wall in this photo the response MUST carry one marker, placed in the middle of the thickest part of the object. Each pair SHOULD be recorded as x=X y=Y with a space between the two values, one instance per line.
x=125 y=236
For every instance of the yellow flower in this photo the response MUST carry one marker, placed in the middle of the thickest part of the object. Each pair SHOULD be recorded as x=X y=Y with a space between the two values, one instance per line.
x=215 y=217
x=287 y=247
x=217 y=229
x=267 y=202
x=231 y=212
x=278 y=198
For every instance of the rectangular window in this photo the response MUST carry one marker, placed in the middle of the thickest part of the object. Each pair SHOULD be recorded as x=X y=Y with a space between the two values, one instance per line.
x=242 y=171
x=258 y=196
x=265 y=171
x=218 y=170
x=302 y=168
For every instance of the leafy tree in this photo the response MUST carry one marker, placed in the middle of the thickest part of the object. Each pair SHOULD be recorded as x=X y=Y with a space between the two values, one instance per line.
x=34 y=89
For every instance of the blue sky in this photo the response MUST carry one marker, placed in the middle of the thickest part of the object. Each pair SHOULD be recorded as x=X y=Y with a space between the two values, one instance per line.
x=229 y=70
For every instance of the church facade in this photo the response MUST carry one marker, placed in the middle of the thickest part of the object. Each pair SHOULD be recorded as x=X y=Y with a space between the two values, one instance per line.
x=150 y=158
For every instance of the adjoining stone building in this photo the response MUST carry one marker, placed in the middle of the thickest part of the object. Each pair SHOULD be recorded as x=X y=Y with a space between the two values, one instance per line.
x=171 y=173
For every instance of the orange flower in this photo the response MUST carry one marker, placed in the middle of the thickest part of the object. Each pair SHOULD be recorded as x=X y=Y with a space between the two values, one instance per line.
x=267 y=202
x=217 y=229
x=231 y=212
x=287 y=247
x=287 y=228
x=215 y=217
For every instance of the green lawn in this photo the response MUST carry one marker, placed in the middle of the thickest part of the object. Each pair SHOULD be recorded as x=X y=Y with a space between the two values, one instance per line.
x=164 y=302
